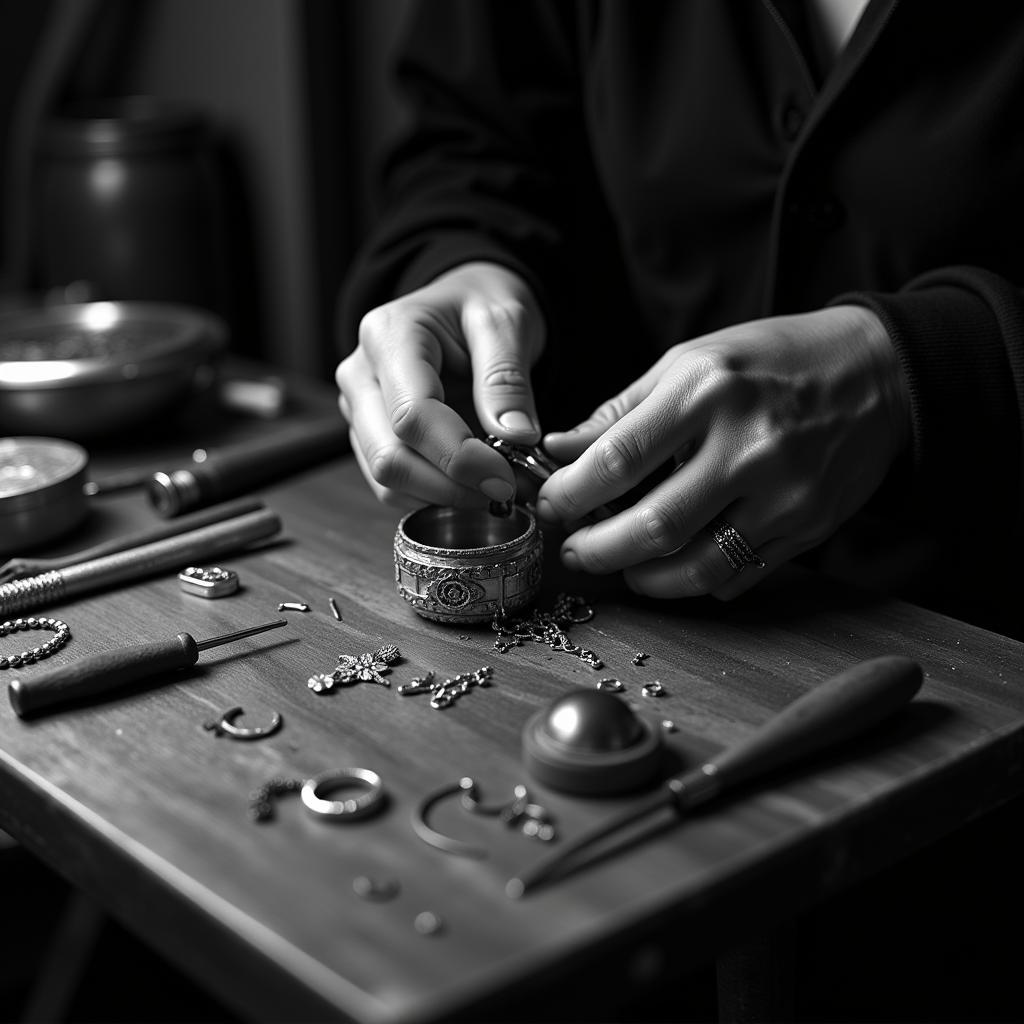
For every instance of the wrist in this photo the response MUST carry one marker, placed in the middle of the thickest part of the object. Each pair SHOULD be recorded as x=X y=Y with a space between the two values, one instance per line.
x=893 y=387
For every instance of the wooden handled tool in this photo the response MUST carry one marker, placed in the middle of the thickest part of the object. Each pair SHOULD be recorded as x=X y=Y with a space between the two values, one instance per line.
x=836 y=710
x=100 y=673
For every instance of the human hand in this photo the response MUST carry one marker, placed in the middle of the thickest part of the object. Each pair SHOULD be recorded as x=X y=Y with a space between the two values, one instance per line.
x=783 y=427
x=479 y=320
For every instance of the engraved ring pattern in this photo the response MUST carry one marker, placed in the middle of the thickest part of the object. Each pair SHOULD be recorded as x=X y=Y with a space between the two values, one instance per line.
x=738 y=553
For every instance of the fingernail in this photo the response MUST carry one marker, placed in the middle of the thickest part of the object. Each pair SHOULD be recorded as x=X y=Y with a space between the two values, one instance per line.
x=518 y=421
x=545 y=509
x=497 y=489
x=570 y=559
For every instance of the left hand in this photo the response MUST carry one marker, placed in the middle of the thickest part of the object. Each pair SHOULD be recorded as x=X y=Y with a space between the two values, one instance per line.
x=784 y=427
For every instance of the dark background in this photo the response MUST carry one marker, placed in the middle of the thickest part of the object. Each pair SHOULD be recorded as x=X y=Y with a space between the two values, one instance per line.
x=300 y=98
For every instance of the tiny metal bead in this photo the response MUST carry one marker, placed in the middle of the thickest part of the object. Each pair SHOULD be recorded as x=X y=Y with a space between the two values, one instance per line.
x=428 y=923
x=376 y=889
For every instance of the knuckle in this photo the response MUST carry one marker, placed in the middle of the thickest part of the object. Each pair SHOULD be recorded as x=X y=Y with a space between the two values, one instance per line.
x=657 y=530
x=504 y=376
x=374 y=325
x=700 y=577
x=343 y=374
x=615 y=459
x=505 y=317
x=386 y=466
x=407 y=420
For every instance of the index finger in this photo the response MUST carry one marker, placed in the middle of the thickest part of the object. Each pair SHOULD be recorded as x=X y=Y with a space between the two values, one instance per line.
x=620 y=458
x=407 y=360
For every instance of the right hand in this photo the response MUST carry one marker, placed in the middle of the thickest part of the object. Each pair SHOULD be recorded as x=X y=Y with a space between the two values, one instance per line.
x=479 y=320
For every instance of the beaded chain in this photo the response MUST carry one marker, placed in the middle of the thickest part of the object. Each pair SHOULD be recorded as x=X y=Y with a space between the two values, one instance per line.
x=548 y=627
x=61 y=635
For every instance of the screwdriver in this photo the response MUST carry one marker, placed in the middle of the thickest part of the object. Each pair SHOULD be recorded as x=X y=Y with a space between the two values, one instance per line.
x=112 y=669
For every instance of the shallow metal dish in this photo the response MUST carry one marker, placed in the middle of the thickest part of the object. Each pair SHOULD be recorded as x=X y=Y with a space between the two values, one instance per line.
x=84 y=370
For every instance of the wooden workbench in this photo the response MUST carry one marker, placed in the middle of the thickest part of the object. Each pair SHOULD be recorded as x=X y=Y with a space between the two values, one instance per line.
x=135 y=802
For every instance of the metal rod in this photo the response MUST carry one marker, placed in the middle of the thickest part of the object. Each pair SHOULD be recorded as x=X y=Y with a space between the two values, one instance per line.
x=227 y=638
x=18 y=568
x=137 y=563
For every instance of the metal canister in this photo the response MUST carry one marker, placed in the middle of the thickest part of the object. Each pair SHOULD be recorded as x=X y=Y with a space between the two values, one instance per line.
x=41 y=490
x=458 y=565
x=127 y=200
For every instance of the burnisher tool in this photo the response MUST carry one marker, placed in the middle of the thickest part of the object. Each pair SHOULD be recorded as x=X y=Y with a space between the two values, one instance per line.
x=842 y=707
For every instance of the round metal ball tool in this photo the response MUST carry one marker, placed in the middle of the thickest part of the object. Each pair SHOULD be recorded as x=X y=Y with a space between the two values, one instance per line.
x=590 y=742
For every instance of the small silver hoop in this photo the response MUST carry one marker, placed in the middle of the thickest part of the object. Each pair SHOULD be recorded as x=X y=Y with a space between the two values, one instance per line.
x=352 y=807
x=225 y=726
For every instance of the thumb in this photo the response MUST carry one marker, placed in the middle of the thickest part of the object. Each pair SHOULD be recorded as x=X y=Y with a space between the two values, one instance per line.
x=502 y=336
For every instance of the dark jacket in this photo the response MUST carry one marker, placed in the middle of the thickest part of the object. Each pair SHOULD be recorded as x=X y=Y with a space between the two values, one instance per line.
x=661 y=168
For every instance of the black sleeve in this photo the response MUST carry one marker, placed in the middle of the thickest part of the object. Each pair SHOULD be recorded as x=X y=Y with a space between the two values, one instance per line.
x=959 y=335
x=492 y=135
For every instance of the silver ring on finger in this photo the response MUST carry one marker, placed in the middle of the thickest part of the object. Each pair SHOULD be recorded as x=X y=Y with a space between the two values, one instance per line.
x=738 y=552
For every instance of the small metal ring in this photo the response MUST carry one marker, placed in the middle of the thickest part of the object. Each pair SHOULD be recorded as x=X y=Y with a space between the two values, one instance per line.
x=422 y=827
x=351 y=808
x=225 y=726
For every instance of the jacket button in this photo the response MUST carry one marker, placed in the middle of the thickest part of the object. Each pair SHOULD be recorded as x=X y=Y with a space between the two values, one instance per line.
x=826 y=214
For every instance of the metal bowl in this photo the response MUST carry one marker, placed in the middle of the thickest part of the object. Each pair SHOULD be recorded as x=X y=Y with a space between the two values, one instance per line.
x=85 y=370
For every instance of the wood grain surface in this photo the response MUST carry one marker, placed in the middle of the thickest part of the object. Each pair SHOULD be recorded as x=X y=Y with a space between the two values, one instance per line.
x=134 y=800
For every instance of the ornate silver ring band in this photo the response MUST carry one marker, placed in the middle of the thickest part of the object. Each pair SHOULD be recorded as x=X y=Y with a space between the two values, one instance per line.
x=369 y=799
x=457 y=565
x=738 y=553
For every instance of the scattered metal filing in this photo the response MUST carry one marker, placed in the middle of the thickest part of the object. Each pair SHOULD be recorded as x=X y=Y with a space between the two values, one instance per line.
x=428 y=923
x=640 y=657
x=364 y=668
x=208 y=581
x=225 y=726
x=61 y=635
x=375 y=890
x=293 y=606
x=335 y=610
x=532 y=819
x=520 y=812
x=261 y=800
x=547 y=627
x=444 y=695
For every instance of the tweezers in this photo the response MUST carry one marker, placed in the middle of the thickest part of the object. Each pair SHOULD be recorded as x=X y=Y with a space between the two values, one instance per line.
x=538 y=464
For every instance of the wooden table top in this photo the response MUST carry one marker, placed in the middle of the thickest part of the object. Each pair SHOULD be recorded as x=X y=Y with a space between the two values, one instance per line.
x=133 y=800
